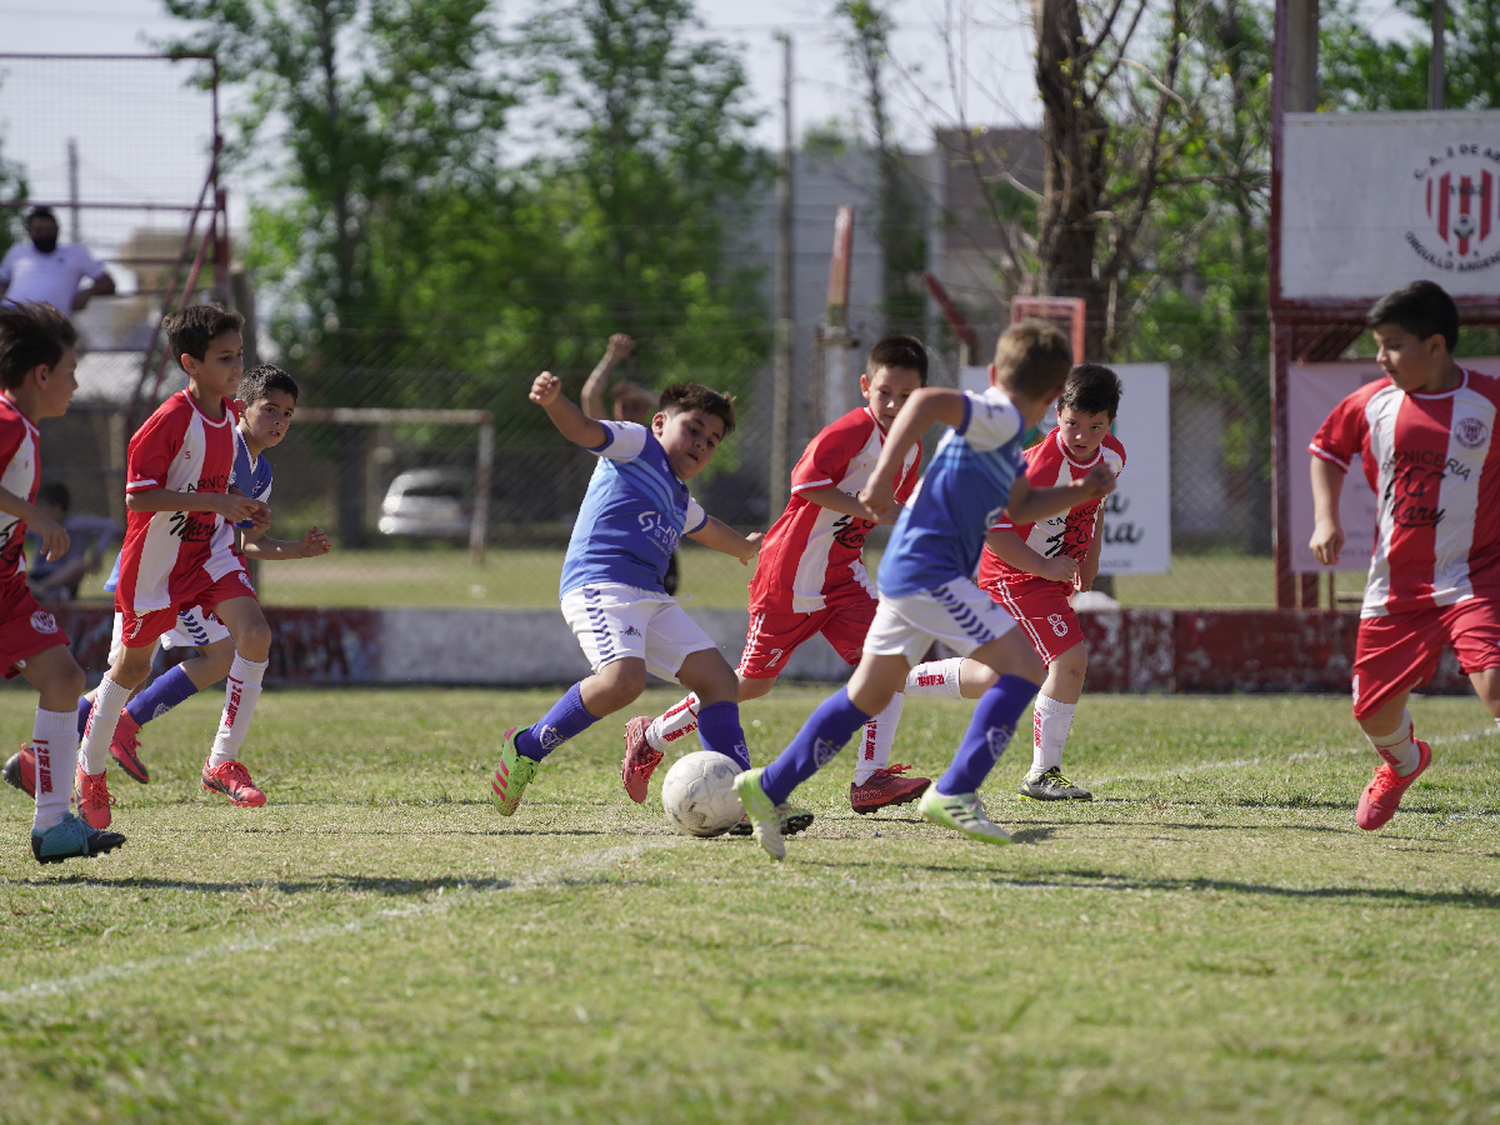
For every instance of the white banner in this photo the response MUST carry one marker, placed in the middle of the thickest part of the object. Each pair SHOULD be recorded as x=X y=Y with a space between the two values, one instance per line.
x=1313 y=390
x=1371 y=201
x=1138 y=515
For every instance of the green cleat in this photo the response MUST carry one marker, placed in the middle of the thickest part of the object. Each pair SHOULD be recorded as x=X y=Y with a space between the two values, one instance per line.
x=514 y=774
x=765 y=819
x=72 y=838
x=962 y=813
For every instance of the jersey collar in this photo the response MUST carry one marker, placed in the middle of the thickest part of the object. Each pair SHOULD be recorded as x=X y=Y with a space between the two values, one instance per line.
x=21 y=414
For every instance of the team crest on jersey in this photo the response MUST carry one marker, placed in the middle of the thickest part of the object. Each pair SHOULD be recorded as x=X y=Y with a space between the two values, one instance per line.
x=43 y=622
x=1471 y=433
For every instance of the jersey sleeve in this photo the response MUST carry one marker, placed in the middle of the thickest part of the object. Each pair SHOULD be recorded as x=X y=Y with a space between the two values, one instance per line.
x=1343 y=433
x=825 y=461
x=696 y=518
x=12 y=433
x=623 y=441
x=151 y=451
x=990 y=424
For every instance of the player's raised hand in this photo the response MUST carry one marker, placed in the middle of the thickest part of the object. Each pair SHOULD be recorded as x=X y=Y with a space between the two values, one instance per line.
x=55 y=537
x=545 y=388
x=1061 y=569
x=620 y=347
x=314 y=543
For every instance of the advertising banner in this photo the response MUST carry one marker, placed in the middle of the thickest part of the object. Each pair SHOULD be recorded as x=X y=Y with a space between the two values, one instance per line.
x=1138 y=515
x=1371 y=201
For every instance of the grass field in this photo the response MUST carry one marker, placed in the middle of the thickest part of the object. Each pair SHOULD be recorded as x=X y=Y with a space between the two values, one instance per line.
x=1211 y=940
x=441 y=576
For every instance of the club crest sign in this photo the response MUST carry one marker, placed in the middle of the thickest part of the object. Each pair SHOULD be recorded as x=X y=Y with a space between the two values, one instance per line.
x=1455 y=209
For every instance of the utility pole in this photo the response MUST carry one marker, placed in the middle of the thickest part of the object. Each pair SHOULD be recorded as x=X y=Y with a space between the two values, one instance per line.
x=835 y=338
x=73 y=234
x=781 y=397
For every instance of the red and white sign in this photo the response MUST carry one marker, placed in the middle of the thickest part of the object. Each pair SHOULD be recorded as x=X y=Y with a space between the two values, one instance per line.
x=1371 y=201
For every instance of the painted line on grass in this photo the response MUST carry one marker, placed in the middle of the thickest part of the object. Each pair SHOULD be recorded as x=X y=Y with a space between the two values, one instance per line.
x=1300 y=756
x=557 y=874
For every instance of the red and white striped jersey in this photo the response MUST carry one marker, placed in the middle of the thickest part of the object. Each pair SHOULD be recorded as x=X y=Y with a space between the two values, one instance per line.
x=813 y=551
x=182 y=449
x=1434 y=466
x=1049 y=464
x=20 y=474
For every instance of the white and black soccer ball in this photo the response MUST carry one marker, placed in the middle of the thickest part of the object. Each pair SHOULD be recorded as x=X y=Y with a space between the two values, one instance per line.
x=698 y=794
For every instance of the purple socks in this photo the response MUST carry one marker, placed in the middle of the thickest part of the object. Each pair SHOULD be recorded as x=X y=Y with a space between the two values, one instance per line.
x=719 y=730
x=827 y=730
x=567 y=719
x=990 y=730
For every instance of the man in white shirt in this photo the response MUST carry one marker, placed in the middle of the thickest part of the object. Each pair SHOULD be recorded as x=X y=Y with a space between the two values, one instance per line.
x=41 y=270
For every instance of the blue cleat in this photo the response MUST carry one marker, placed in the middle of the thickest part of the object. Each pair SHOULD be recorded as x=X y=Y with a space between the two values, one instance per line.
x=72 y=838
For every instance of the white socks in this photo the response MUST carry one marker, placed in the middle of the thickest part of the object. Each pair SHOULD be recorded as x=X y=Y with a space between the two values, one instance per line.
x=936 y=678
x=679 y=721
x=1398 y=748
x=109 y=701
x=54 y=738
x=879 y=736
x=241 y=691
x=1050 y=723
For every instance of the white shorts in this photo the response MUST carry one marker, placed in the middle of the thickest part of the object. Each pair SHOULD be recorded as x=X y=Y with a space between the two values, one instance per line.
x=959 y=614
x=194 y=629
x=613 y=621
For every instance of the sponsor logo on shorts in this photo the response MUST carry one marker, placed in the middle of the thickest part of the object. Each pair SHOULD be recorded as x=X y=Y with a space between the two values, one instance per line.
x=245 y=578
x=43 y=622
x=632 y=631
x=1471 y=433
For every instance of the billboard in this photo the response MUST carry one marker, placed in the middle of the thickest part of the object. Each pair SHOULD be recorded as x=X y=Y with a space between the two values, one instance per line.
x=1371 y=201
x=1138 y=514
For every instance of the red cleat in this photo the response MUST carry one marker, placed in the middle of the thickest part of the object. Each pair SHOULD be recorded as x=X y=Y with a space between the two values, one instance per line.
x=233 y=779
x=886 y=787
x=124 y=748
x=640 y=760
x=1382 y=797
x=94 y=801
x=20 y=771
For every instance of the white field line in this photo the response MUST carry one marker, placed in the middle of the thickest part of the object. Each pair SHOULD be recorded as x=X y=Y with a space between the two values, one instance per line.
x=440 y=904
x=1301 y=756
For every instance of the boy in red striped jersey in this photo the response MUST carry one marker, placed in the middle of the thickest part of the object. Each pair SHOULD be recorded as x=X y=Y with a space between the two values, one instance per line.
x=1426 y=440
x=37 y=381
x=1033 y=570
x=811 y=579
x=177 y=473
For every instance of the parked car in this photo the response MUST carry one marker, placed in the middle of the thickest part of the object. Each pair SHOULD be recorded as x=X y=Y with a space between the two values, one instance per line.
x=437 y=503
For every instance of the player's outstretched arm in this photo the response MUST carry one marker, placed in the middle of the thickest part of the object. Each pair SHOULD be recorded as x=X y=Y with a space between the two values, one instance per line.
x=721 y=537
x=1027 y=504
x=1328 y=534
x=232 y=506
x=926 y=406
x=841 y=502
x=1012 y=549
x=54 y=535
x=310 y=546
x=572 y=423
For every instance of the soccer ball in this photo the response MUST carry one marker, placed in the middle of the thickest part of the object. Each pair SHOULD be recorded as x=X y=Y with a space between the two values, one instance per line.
x=698 y=794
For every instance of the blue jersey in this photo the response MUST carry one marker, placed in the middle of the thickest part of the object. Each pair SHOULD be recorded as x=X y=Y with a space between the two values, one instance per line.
x=940 y=533
x=632 y=516
x=252 y=477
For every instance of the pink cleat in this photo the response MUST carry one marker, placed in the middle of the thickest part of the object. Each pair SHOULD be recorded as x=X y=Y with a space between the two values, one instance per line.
x=94 y=801
x=640 y=760
x=1382 y=797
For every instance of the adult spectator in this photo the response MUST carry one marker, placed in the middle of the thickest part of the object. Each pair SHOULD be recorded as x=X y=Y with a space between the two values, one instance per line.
x=41 y=270
x=633 y=402
x=89 y=537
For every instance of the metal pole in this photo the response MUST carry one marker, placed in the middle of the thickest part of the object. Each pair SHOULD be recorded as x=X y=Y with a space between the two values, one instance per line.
x=781 y=398
x=73 y=235
x=836 y=338
x=1435 y=67
x=481 y=519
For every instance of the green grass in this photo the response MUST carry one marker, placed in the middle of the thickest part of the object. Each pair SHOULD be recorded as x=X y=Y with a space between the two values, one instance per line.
x=1211 y=940
x=443 y=576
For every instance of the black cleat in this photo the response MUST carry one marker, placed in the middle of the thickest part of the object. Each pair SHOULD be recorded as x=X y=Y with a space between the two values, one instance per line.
x=72 y=839
x=20 y=771
x=1052 y=786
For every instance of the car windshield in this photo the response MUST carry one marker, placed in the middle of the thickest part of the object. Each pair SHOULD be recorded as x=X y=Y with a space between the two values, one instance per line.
x=434 y=491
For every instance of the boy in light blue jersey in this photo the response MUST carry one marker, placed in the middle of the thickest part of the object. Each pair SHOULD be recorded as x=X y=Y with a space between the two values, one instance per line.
x=926 y=581
x=636 y=509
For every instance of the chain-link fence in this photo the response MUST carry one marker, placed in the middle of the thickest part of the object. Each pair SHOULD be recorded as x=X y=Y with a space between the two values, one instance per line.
x=398 y=497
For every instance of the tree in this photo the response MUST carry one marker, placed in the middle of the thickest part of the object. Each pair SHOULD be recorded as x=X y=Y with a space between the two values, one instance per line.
x=389 y=111
x=650 y=167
